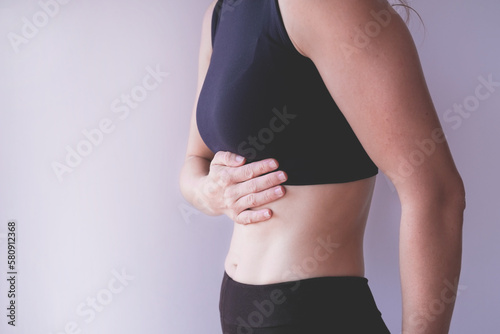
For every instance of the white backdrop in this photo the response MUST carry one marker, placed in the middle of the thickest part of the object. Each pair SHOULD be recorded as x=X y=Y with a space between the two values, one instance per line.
x=96 y=98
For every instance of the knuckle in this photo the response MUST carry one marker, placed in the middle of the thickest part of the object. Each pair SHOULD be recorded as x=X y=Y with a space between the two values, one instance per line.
x=252 y=187
x=222 y=157
x=249 y=173
x=262 y=167
x=227 y=158
x=210 y=189
x=252 y=200
x=228 y=204
x=228 y=193
x=218 y=156
x=239 y=206
x=268 y=195
x=245 y=218
x=224 y=178
x=271 y=180
x=238 y=218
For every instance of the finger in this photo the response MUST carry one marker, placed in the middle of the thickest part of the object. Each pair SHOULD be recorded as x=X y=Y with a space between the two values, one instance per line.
x=225 y=158
x=254 y=169
x=251 y=217
x=257 y=184
x=254 y=200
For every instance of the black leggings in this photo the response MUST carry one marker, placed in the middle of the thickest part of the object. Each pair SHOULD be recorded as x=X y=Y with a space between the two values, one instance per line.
x=320 y=305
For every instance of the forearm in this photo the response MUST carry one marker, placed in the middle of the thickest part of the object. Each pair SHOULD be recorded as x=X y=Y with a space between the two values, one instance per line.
x=430 y=261
x=193 y=171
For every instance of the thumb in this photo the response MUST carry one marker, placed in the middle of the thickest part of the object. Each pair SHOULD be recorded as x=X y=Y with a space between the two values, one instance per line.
x=225 y=158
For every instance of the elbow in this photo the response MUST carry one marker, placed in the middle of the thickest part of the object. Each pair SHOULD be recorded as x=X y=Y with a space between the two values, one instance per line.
x=448 y=214
x=450 y=195
x=444 y=197
x=460 y=196
x=454 y=204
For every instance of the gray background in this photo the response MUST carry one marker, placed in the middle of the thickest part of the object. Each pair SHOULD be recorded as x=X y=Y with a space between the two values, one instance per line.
x=120 y=208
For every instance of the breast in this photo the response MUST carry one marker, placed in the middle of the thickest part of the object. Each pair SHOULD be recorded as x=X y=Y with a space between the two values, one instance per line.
x=239 y=100
x=262 y=100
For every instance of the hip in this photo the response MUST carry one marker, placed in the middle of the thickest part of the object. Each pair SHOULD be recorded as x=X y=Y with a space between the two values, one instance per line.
x=341 y=304
x=299 y=258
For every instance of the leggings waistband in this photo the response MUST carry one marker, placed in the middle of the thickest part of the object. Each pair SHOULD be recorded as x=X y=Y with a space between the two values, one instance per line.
x=355 y=280
x=299 y=306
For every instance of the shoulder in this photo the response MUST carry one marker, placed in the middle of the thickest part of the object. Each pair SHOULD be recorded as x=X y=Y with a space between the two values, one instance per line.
x=206 y=30
x=209 y=11
x=347 y=26
x=367 y=59
x=207 y=17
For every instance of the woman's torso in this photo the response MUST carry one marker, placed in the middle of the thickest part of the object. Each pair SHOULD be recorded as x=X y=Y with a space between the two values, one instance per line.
x=262 y=99
x=315 y=230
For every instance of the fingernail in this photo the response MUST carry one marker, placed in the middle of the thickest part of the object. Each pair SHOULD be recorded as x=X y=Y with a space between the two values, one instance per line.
x=273 y=164
x=239 y=158
x=282 y=176
x=267 y=214
x=278 y=191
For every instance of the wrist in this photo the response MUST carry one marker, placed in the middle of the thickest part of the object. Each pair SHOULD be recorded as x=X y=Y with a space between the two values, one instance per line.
x=202 y=197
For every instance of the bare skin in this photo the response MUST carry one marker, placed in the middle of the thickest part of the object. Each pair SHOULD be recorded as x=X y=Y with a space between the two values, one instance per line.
x=380 y=88
x=314 y=231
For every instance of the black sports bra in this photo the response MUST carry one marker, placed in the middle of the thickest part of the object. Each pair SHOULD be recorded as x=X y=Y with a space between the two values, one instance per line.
x=262 y=99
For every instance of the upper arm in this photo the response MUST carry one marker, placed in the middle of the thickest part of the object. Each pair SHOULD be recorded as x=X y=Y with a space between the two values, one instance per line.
x=369 y=63
x=196 y=146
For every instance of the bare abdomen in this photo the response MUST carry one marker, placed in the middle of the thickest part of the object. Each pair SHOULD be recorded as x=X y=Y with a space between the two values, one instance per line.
x=316 y=230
